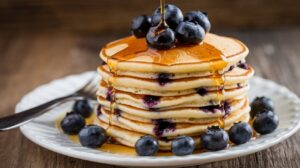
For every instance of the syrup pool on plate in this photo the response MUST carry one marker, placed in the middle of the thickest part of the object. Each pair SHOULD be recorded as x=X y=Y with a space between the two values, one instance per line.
x=111 y=147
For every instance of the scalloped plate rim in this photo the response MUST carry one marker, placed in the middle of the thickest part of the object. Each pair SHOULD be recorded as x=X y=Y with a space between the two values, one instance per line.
x=115 y=159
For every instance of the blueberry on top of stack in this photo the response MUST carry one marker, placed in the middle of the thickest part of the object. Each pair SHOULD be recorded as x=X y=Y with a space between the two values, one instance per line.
x=177 y=29
x=167 y=87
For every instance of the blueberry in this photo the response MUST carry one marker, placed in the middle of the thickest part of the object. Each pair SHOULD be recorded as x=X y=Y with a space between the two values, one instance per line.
x=214 y=139
x=183 y=145
x=260 y=105
x=243 y=65
x=240 y=133
x=140 y=26
x=173 y=16
x=72 y=123
x=202 y=91
x=160 y=39
x=83 y=108
x=189 y=33
x=92 y=136
x=151 y=101
x=163 y=125
x=266 y=122
x=199 y=18
x=164 y=78
x=146 y=146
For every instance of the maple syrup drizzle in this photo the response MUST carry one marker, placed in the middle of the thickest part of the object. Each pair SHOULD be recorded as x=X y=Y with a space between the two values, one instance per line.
x=136 y=50
x=219 y=79
x=113 y=70
x=162 y=11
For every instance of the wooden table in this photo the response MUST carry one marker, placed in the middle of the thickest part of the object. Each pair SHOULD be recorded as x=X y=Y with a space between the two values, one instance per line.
x=29 y=60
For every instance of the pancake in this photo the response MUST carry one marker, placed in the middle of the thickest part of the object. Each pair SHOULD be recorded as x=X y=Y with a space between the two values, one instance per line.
x=183 y=116
x=171 y=129
x=121 y=55
x=233 y=77
x=129 y=138
x=186 y=112
x=104 y=89
x=168 y=93
x=203 y=98
x=152 y=75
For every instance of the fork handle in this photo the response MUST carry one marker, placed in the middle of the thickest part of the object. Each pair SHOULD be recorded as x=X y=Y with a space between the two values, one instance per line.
x=18 y=119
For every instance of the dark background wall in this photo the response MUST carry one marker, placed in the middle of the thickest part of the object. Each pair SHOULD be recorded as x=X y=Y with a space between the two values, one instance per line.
x=98 y=16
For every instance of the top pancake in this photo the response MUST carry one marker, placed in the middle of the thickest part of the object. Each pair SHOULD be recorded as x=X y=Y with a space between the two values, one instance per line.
x=214 y=53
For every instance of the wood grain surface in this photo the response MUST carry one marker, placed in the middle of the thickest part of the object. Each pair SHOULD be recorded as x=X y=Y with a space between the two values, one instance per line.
x=29 y=60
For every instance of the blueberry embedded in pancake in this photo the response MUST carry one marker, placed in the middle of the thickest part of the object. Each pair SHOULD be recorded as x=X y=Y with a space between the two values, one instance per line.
x=164 y=78
x=151 y=101
x=163 y=125
x=109 y=94
x=224 y=107
x=202 y=91
x=243 y=65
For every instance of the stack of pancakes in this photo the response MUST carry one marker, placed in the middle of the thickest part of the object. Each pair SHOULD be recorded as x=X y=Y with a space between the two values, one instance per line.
x=168 y=93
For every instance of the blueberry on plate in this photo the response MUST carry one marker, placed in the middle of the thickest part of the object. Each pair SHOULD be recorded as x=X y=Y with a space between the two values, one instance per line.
x=266 y=122
x=72 y=123
x=240 y=133
x=92 y=136
x=83 y=107
x=173 y=16
x=146 y=146
x=199 y=18
x=189 y=33
x=161 y=40
x=214 y=139
x=260 y=105
x=140 y=26
x=183 y=145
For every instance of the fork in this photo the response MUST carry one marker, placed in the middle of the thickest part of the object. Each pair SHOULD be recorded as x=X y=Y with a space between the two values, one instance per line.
x=88 y=91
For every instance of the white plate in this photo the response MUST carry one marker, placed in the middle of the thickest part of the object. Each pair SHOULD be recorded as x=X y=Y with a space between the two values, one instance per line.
x=43 y=132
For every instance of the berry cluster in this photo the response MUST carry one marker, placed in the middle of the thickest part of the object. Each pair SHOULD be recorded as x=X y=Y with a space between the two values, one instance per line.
x=264 y=121
x=177 y=29
x=91 y=136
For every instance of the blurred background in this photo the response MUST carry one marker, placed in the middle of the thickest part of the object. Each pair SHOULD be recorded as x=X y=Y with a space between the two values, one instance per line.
x=114 y=16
